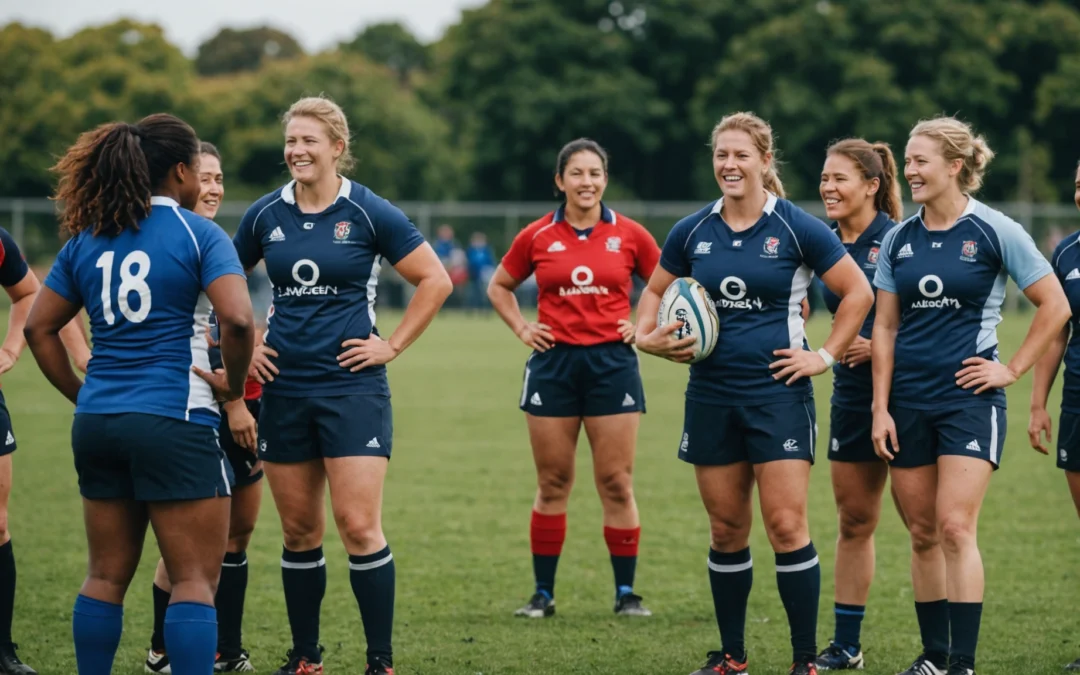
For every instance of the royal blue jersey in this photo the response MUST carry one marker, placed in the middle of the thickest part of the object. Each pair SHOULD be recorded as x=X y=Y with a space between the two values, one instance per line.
x=324 y=268
x=1066 y=263
x=144 y=291
x=951 y=284
x=757 y=279
x=853 y=387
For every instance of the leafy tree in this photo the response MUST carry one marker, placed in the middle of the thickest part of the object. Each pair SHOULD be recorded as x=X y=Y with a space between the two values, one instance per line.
x=392 y=45
x=232 y=50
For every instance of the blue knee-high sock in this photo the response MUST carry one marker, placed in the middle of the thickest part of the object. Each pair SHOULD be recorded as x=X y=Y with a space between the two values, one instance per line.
x=191 y=638
x=730 y=577
x=96 y=627
x=798 y=577
x=373 y=578
x=848 y=625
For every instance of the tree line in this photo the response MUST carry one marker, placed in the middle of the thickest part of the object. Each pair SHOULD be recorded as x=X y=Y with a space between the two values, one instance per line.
x=480 y=113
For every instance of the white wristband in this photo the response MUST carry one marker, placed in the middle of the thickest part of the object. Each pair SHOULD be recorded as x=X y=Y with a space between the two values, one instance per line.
x=826 y=357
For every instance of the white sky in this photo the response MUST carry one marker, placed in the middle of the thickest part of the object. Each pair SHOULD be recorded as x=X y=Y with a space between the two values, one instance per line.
x=190 y=22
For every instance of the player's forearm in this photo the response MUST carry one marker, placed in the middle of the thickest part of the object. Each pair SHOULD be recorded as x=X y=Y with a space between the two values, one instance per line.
x=882 y=360
x=850 y=315
x=73 y=335
x=1046 y=370
x=431 y=293
x=648 y=305
x=506 y=306
x=1047 y=323
x=15 y=341
x=237 y=342
x=53 y=361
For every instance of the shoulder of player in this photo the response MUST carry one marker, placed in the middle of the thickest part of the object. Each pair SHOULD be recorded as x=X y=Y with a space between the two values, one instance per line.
x=537 y=227
x=894 y=232
x=369 y=208
x=261 y=210
x=691 y=222
x=629 y=228
x=1069 y=244
x=999 y=229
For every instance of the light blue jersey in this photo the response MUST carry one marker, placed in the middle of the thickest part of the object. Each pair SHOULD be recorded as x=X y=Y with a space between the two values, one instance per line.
x=144 y=291
x=951 y=284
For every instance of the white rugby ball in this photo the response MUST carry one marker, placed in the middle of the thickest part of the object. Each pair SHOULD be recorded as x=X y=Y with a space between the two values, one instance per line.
x=687 y=301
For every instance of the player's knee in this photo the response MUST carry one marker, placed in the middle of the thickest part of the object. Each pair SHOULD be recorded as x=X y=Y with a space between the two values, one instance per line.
x=360 y=531
x=554 y=486
x=924 y=535
x=301 y=535
x=956 y=532
x=787 y=528
x=857 y=524
x=729 y=534
x=200 y=588
x=238 y=541
x=616 y=488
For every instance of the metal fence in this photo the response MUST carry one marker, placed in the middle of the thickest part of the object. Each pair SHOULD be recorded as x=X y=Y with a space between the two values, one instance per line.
x=33 y=224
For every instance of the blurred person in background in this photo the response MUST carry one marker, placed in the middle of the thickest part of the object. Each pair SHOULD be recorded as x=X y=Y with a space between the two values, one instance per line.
x=481 y=264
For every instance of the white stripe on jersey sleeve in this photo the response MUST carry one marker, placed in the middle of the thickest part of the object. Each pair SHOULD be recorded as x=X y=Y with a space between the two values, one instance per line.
x=187 y=227
x=1020 y=256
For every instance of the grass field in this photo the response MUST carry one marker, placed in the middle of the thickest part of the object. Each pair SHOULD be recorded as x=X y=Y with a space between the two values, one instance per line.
x=457 y=512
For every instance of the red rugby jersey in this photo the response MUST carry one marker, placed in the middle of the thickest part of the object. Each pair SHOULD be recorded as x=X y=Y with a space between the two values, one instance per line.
x=584 y=284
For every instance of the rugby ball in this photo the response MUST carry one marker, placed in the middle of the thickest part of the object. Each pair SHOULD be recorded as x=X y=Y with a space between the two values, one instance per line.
x=687 y=301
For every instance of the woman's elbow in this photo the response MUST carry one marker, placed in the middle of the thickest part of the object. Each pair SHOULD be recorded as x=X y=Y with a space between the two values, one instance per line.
x=439 y=282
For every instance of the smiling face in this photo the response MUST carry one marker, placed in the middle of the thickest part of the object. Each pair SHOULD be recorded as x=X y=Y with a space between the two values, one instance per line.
x=738 y=165
x=583 y=180
x=927 y=171
x=310 y=153
x=844 y=190
x=211 y=186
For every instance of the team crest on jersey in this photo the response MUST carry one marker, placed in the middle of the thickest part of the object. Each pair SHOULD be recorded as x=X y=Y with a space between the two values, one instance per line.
x=342 y=230
x=871 y=257
x=967 y=253
x=772 y=246
x=614 y=244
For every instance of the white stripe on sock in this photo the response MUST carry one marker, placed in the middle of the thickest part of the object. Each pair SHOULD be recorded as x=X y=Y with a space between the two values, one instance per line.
x=798 y=567
x=363 y=567
x=225 y=564
x=289 y=565
x=728 y=569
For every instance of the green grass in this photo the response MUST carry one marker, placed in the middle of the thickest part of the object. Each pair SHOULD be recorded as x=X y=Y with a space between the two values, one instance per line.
x=457 y=511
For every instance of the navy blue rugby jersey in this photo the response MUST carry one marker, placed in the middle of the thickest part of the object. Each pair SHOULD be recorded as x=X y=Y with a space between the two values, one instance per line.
x=853 y=387
x=951 y=284
x=144 y=291
x=324 y=268
x=757 y=279
x=1066 y=263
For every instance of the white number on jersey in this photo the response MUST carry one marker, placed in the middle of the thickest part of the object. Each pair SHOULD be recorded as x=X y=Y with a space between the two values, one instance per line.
x=130 y=282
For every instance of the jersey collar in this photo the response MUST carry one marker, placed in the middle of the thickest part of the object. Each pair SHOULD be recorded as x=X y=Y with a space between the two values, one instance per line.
x=606 y=214
x=968 y=210
x=288 y=193
x=873 y=230
x=770 y=204
x=157 y=200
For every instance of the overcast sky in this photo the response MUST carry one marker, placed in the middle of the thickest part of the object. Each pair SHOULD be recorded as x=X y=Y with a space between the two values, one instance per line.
x=316 y=25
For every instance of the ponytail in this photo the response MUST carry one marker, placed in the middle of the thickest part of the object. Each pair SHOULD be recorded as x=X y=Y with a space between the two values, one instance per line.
x=772 y=183
x=108 y=176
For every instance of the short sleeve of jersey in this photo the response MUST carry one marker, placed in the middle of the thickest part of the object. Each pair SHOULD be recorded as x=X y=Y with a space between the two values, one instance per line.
x=61 y=277
x=219 y=256
x=1055 y=258
x=673 y=257
x=821 y=248
x=1019 y=254
x=395 y=235
x=648 y=253
x=13 y=269
x=518 y=260
x=883 y=277
x=247 y=243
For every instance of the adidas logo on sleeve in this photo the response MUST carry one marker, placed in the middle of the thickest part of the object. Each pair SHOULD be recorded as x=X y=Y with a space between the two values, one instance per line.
x=277 y=235
x=1074 y=274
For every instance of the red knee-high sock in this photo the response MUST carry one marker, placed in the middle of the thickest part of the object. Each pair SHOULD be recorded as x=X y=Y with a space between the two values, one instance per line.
x=623 y=546
x=546 y=537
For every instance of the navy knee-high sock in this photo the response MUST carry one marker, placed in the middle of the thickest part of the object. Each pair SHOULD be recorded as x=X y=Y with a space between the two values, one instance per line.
x=373 y=579
x=798 y=576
